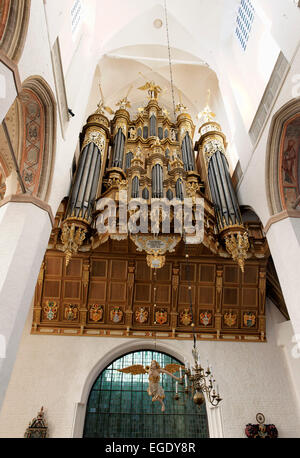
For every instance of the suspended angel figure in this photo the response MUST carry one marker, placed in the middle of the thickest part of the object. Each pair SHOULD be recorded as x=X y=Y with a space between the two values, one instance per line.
x=154 y=389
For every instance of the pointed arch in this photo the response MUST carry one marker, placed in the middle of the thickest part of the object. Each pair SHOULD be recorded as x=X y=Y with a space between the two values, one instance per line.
x=14 y=19
x=39 y=136
x=283 y=159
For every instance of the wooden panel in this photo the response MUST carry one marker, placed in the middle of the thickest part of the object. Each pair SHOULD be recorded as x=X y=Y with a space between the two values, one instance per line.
x=52 y=289
x=99 y=268
x=165 y=273
x=98 y=291
x=118 y=270
x=72 y=290
x=188 y=272
x=230 y=296
x=231 y=274
x=206 y=295
x=207 y=273
x=251 y=275
x=184 y=295
x=142 y=293
x=54 y=266
x=142 y=272
x=250 y=297
x=117 y=292
x=74 y=268
x=163 y=294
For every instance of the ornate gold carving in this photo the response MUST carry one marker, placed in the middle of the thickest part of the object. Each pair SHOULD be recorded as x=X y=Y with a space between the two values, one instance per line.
x=156 y=247
x=161 y=317
x=185 y=317
x=212 y=144
x=72 y=238
x=38 y=428
x=50 y=309
x=230 y=319
x=121 y=124
x=249 y=319
x=96 y=313
x=153 y=89
x=191 y=189
x=237 y=245
x=156 y=261
x=71 y=312
x=116 y=315
x=96 y=137
x=141 y=315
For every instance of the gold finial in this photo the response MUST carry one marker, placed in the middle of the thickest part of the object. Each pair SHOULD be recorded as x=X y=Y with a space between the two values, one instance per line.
x=180 y=107
x=207 y=115
x=124 y=103
x=101 y=107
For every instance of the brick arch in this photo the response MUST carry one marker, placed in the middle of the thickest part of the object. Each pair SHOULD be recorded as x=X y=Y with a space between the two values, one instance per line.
x=14 y=19
x=283 y=159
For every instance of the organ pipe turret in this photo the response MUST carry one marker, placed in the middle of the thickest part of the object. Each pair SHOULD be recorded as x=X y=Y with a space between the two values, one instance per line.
x=87 y=181
x=212 y=146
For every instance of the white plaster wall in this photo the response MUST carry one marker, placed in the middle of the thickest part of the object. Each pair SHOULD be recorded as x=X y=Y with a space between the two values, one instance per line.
x=252 y=189
x=57 y=373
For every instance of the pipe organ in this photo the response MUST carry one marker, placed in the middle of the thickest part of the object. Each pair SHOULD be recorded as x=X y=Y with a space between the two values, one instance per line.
x=97 y=282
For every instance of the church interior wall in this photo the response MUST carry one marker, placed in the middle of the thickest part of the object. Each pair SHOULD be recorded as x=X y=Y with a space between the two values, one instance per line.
x=52 y=371
x=57 y=372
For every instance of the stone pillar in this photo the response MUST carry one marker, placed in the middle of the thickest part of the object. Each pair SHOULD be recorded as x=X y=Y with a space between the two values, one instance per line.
x=283 y=240
x=25 y=229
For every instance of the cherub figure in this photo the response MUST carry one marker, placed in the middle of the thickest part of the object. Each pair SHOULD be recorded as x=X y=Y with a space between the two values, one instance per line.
x=154 y=370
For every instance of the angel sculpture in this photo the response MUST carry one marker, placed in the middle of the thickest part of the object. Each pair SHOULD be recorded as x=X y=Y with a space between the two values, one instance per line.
x=152 y=88
x=154 y=370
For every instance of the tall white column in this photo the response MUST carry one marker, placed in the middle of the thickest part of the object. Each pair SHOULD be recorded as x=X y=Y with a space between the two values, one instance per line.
x=284 y=242
x=24 y=233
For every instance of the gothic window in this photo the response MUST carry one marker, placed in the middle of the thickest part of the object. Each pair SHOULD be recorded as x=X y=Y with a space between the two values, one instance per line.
x=244 y=22
x=120 y=407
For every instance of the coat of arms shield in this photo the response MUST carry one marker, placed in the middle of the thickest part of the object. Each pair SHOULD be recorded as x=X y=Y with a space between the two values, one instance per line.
x=230 y=319
x=116 y=315
x=141 y=315
x=186 y=317
x=249 y=319
x=50 y=310
x=96 y=313
x=205 y=318
x=161 y=317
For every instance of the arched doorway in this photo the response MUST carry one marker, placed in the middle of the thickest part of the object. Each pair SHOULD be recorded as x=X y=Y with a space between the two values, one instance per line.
x=119 y=405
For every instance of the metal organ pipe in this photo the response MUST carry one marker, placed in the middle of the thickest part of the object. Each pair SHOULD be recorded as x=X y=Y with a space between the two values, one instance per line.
x=222 y=191
x=153 y=126
x=85 y=183
x=187 y=153
x=119 y=146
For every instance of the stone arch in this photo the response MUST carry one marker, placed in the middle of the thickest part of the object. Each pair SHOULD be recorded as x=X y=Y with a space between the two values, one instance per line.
x=283 y=159
x=213 y=413
x=39 y=136
x=14 y=19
